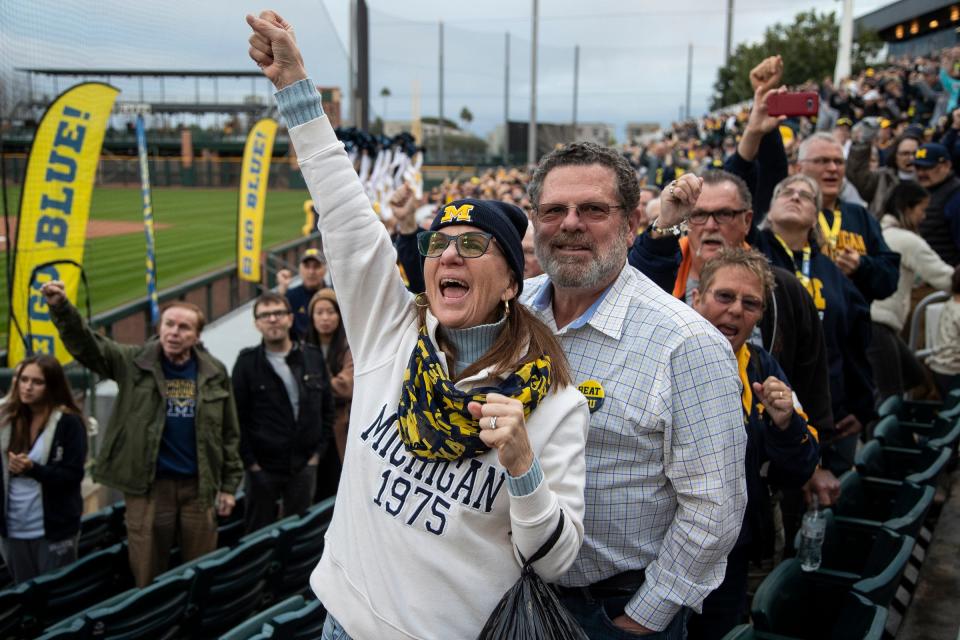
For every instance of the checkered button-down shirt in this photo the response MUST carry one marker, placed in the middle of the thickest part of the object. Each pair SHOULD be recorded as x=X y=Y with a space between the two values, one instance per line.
x=665 y=453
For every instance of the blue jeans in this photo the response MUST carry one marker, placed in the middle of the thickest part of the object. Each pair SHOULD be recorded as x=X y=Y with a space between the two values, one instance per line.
x=332 y=630
x=596 y=617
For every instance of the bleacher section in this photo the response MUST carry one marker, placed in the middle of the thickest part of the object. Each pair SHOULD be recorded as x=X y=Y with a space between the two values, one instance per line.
x=202 y=599
x=878 y=535
x=257 y=585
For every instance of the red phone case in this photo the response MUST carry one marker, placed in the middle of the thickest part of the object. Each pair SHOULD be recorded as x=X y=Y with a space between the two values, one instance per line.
x=805 y=103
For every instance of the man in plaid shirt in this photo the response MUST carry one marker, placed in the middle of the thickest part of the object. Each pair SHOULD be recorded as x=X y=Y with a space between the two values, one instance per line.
x=665 y=454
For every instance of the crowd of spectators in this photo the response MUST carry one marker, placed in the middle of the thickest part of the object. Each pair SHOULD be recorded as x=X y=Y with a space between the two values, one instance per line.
x=805 y=241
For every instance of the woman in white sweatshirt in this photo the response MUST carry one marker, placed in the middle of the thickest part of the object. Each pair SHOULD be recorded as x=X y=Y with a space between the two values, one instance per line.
x=895 y=368
x=465 y=445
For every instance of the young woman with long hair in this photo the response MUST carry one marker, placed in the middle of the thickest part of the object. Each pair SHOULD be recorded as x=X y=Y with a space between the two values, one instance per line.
x=895 y=368
x=43 y=446
x=326 y=331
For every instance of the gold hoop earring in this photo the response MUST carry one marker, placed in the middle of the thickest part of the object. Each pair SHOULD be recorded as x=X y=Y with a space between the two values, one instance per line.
x=421 y=300
x=506 y=308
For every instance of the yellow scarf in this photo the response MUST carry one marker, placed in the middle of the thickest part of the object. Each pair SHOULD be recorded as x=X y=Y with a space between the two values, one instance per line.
x=433 y=419
x=743 y=360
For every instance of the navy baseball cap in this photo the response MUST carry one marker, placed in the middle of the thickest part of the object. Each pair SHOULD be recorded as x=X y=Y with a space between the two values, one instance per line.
x=930 y=155
x=312 y=254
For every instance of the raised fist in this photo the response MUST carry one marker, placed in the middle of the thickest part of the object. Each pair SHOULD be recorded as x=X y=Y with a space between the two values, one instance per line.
x=54 y=293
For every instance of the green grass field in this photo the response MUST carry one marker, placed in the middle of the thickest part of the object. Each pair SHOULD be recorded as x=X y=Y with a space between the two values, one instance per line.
x=201 y=237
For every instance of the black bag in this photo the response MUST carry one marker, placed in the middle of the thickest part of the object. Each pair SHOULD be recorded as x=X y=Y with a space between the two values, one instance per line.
x=530 y=610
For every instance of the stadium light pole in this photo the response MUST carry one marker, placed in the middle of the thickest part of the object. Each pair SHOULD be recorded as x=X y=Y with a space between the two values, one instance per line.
x=352 y=62
x=689 y=76
x=506 y=99
x=532 y=134
x=842 y=69
x=440 y=106
x=728 y=38
x=576 y=85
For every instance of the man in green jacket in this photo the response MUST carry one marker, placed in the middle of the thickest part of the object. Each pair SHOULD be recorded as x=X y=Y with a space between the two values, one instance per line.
x=172 y=443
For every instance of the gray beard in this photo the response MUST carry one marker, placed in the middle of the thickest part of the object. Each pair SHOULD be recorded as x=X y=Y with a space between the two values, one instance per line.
x=574 y=274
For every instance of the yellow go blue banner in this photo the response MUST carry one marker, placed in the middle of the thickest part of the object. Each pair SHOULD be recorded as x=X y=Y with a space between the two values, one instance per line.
x=54 y=208
x=254 y=175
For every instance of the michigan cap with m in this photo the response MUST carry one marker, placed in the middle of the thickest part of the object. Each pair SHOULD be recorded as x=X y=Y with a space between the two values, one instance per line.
x=312 y=254
x=505 y=222
x=930 y=155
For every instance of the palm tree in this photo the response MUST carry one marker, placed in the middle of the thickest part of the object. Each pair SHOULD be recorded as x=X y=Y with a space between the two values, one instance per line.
x=385 y=93
x=466 y=115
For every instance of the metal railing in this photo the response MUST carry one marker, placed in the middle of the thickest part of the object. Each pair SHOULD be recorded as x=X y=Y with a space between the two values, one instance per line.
x=216 y=293
x=918 y=313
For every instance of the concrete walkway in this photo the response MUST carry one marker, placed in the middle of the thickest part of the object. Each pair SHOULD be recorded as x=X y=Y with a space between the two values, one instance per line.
x=934 y=612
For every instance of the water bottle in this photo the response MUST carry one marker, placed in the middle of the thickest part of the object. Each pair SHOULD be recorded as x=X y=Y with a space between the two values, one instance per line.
x=811 y=536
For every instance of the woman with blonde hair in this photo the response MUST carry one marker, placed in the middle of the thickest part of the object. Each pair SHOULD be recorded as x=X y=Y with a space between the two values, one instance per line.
x=790 y=239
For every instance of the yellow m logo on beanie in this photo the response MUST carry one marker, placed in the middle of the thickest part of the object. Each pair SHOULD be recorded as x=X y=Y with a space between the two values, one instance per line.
x=460 y=214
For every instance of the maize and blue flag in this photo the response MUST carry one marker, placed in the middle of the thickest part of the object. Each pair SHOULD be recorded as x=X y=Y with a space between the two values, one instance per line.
x=148 y=230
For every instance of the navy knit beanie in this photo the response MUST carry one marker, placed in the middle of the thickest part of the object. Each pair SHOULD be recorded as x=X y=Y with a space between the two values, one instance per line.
x=506 y=222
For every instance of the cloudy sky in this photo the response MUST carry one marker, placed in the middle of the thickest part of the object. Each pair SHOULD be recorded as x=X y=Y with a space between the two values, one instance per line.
x=633 y=54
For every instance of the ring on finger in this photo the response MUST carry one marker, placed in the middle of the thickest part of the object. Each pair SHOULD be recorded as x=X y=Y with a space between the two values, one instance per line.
x=493 y=422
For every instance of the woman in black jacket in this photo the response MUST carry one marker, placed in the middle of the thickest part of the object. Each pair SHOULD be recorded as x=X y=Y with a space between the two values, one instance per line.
x=43 y=446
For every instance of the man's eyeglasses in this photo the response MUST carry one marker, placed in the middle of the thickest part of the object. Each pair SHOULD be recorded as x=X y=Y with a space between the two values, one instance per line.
x=824 y=161
x=727 y=297
x=720 y=216
x=799 y=193
x=279 y=314
x=471 y=244
x=550 y=213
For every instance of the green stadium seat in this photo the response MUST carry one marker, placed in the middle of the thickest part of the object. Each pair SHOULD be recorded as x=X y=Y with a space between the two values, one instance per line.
x=922 y=466
x=741 y=632
x=303 y=624
x=119 y=519
x=898 y=506
x=300 y=547
x=83 y=584
x=96 y=532
x=15 y=617
x=6 y=580
x=793 y=604
x=890 y=406
x=868 y=560
x=232 y=528
x=232 y=585
x=155 y=612
x=920 y=410
x=190 y=566
x=941 y=433
x=75 y=629
x=254 y=626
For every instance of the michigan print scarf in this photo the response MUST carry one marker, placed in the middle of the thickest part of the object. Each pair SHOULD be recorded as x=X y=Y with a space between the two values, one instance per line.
x=433 y=419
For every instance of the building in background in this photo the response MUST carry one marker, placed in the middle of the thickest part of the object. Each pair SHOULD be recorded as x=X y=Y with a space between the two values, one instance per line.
x=598 y=132
x=330 y=98
x=640 y=132
x=914 y=27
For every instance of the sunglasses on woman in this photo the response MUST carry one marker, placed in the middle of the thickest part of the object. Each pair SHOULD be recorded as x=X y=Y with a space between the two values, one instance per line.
x=471 y=244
